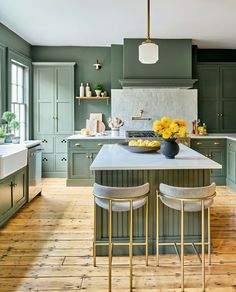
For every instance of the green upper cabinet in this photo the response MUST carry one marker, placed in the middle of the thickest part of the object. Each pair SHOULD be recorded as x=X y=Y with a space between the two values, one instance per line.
x=44 y=94
x=217 y=96
x=53 y=99
x=208 y=96
x=54 y=113
x=228 y=98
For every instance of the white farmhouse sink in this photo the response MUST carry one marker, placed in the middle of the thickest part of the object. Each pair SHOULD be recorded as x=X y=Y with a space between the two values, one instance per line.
x=12 y=158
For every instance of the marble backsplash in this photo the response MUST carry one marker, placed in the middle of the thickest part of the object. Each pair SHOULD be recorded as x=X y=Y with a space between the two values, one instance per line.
x=156 y=103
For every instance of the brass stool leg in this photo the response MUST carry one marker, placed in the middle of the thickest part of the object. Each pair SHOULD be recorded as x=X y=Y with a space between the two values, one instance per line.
x=94 y=233
x=203 y=248
x=182 y=245
x=209 y=236
x=131 y=245
x=110 y=242
x=147 y=231
x=157 y=230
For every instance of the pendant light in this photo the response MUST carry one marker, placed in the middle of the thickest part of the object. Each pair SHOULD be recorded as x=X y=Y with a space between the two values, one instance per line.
x=148 y=50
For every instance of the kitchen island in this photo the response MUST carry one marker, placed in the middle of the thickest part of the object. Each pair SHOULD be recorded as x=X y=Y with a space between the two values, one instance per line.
x=115 y=166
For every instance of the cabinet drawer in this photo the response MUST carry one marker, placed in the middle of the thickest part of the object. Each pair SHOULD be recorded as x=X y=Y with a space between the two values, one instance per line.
x=61 y=143
x=197 y=143
x=61 y=162
x=47 y=142
x=81 y=144
x=48 y=161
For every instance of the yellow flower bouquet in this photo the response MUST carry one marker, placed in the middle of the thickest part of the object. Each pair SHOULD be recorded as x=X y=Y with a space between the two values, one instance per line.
x=170 y=129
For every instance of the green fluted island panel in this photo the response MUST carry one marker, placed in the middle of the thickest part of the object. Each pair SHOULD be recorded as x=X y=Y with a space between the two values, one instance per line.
x=169 y=219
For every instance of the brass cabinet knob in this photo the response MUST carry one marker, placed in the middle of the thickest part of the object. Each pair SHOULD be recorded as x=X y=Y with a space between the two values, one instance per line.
x=100 y=144
x=221 y=115
x=77 y=145
x=199 y=143
x=218 y=115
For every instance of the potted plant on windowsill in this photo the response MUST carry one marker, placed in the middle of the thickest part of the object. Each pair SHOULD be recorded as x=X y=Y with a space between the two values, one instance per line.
x=11 y=124
x=98 y=89
x=2 y=136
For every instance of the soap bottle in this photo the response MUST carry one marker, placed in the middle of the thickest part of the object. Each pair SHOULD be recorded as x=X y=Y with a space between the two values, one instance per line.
x=87 y=90
x=81 y=90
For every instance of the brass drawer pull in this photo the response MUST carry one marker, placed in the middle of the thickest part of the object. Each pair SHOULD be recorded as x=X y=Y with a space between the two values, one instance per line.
x=100 y=144
x=199 y=143
x=77 y=145
x=216 y=143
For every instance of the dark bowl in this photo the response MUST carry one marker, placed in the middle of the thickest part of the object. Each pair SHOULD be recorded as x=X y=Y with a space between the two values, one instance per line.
x=139 y=149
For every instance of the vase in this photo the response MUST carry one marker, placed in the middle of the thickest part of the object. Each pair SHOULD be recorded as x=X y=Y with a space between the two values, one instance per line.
x=169 y=148
x=115 y=132
x=98 y=92
x=8 y=138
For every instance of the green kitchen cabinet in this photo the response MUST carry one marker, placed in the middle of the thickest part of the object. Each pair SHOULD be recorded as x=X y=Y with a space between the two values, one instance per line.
x=214 y=149
x=231 y=164
x=217 y=96
x=13 y=194
x=53 y=113
x=81 y=153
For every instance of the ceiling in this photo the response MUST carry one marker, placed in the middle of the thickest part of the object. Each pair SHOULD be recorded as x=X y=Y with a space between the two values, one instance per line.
x=210 y=23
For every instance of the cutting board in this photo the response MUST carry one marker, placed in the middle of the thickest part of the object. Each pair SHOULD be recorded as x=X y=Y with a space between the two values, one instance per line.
x=101 y=127
x=96 y=116
x=92 y=125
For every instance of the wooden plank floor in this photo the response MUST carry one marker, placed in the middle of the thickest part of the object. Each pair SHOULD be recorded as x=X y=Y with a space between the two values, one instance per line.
x=48 y=247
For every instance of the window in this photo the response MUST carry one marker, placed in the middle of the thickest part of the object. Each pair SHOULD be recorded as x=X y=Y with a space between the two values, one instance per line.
x=19 y=96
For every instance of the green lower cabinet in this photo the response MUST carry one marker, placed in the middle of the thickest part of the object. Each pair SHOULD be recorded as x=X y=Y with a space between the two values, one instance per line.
x=215 y=150
x=231 y=164
x=13 y=194
x=61 y=162
x=81 y=154
x=48 y=161
x=5 y=197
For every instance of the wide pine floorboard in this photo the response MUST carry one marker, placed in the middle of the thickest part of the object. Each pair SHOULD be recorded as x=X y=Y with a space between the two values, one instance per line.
x=47 y=246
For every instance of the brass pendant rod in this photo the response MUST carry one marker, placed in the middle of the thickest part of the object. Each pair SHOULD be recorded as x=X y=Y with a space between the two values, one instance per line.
x=148 y=19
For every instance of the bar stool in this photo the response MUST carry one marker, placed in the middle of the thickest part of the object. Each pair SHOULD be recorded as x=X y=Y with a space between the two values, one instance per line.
x=188 y=200
x=120 y=200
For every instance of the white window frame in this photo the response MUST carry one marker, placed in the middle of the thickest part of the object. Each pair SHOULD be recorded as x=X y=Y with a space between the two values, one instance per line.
x=25 y=103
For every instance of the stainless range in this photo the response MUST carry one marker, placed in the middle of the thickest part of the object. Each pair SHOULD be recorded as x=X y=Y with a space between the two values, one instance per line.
x=150 y=135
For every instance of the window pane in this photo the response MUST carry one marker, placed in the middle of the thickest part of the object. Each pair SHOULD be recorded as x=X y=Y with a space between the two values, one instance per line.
x=20 y=74
x=13 y=73
x=14 y=93
x=20 y=93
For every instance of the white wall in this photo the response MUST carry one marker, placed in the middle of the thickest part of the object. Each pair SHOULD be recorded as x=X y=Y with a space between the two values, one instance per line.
x=156 y=103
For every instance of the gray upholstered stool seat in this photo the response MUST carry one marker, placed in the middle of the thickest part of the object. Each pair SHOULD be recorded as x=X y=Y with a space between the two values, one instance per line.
x=188 y=200
x=120 y=193
x=120 y=199
x=186 y=193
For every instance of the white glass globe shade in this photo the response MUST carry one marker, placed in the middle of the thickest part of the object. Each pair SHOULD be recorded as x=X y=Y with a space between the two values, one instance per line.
x=148 y=53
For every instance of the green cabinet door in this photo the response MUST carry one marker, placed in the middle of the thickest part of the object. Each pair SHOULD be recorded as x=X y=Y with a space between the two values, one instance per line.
x=208 y=96
x=214 y=149
x=231 y=165
x=5 y=197
x=48 y=162
x=61 y=162
x=218 y=175
x=64 y=103
x=19 y=188
x=228 y=98
x=44 y=95
x=79 y=164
